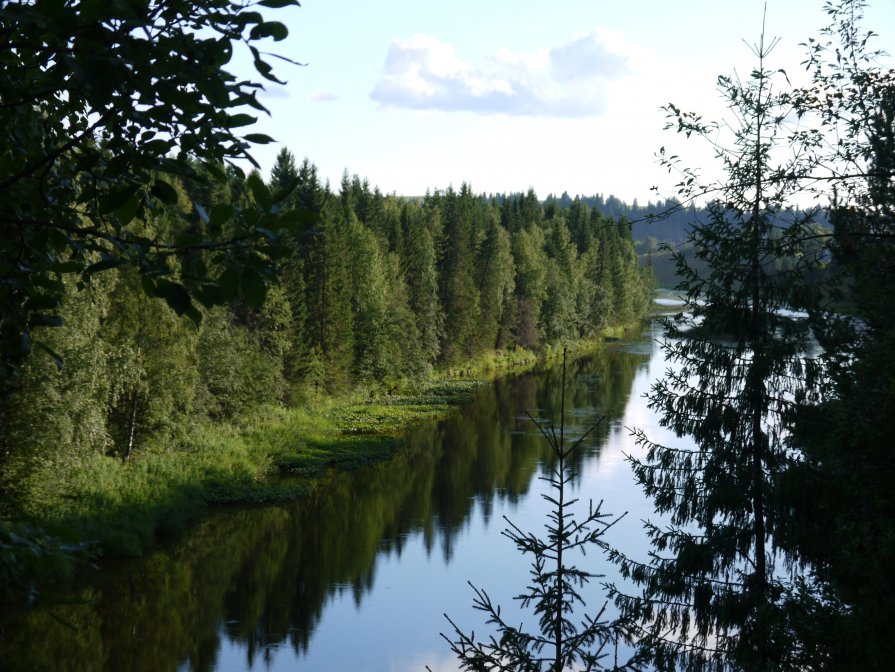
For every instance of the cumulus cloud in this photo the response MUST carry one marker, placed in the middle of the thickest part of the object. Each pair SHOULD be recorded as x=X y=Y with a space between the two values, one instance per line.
x=324 y=97
x=426 y=74
x=587 y=57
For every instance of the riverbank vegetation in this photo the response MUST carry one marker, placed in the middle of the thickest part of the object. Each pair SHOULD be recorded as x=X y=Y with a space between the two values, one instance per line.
x=285 y=564
x=175 y=332
x=384 y=312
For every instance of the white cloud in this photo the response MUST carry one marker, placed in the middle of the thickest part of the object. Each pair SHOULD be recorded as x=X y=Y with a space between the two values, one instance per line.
x=569 y=81
x=324 y=97
x=588 y=56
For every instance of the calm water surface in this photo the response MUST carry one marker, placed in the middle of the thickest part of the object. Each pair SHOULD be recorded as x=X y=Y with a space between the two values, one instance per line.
x=358 y=576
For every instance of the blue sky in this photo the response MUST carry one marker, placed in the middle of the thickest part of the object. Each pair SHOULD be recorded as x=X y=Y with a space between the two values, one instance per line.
x=560 y=95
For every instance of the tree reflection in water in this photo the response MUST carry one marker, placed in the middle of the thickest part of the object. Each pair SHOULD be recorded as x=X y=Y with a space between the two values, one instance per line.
x=260 y=580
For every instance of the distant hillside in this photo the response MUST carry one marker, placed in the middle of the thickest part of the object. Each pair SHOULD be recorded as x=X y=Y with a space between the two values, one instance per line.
x=666 y=221
x=661 y=222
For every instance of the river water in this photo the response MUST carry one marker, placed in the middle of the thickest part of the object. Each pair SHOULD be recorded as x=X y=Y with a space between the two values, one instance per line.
x=358 y=576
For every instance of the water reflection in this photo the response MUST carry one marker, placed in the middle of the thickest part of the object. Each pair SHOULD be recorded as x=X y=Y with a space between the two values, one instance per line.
x=357 y=575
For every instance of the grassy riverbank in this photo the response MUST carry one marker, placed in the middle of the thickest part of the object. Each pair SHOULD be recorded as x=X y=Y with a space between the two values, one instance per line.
x=274 y=455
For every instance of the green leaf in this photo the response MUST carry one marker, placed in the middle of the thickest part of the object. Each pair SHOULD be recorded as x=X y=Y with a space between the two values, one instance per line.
x=241 y=119
x=277 y=4
x=57 y=360
x=221 y=214
x=175 y=295
x=250 y=17
x=42 y=303
x=259 y=138
x=58 y=240
x=210 y=295
x=67 y=267
x=19 y=344
x=148 y=285
x=216 y=92
x=156 y=147
x=195 y=316
x=215 y=170
x=252 y=288
x=265 y=70
x=229 y=283
x=273 y=29
x=164 y=192
x=259 y=190
x=103 y=265
x=126 y=213
x=45 y=320
x=117 y=198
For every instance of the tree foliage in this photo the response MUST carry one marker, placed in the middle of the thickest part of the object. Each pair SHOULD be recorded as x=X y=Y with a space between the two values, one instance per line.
x=846 y=438
x=554 y=592
x=787 y=447
x=103 y=108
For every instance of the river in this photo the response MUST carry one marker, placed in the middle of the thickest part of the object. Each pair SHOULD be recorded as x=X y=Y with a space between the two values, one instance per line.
x=358 y=575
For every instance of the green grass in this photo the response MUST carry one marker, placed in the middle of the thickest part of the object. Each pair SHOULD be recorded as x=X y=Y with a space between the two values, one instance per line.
x=274 y=456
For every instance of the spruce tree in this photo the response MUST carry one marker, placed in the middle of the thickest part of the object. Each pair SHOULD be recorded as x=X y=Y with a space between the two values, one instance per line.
x=565 y=638
x=560 y=317
x=495 y=279
x=530 y=259
x=421 y=276
x=309 y=194
x=284 y=174
x=456 y=283
x=330 y=317
x=712 y=594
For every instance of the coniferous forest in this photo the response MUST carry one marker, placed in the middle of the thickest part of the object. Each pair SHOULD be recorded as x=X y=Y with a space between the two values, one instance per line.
x=370 y=294
x=373 y=291
x=176 y=332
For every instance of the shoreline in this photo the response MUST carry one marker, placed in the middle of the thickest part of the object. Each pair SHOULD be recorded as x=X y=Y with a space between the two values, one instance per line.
x=276 y=455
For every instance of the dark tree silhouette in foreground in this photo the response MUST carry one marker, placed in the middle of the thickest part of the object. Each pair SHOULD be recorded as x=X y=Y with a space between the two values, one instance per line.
x=554 y=591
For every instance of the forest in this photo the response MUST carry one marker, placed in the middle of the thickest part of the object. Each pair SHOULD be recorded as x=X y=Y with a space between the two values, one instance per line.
x=371 y=294
x=162 y=310
x=168 y=317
